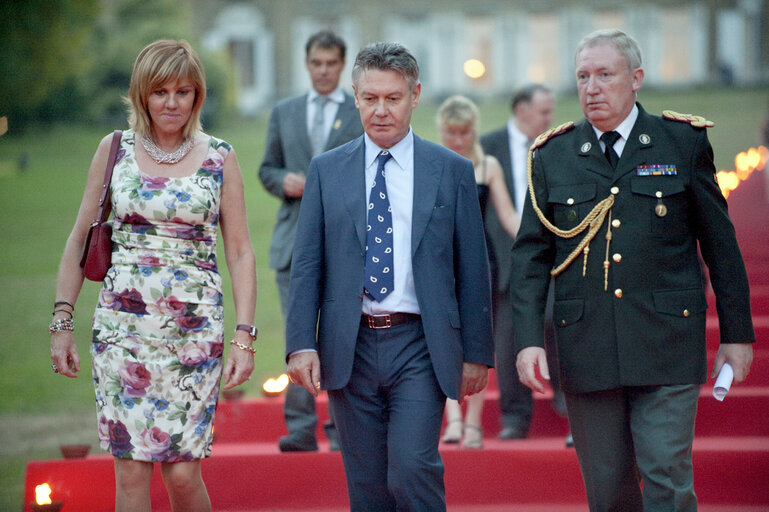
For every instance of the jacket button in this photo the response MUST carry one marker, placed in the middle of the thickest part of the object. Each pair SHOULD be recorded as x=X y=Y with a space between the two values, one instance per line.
x=617 y=257
x=616 y=223
x=563 y=323
x=614 y=190
x=618 y=293
x=686 y=312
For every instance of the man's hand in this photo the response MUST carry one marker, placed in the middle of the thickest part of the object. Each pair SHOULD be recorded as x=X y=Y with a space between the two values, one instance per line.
x=304 y=370
x=293 y=184
x=527 y=360
x=474 y=379
x=738 y=355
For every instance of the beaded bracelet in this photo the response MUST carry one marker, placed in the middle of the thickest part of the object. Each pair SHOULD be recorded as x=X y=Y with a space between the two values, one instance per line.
x=243 y=347
x=62 y=324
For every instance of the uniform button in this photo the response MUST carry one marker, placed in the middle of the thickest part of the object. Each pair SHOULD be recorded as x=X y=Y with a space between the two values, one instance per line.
x=570 y=201
x=686 y=312
x=618 y=293
x=563 y=323
x=614 y=190
x=658 y=194
x=617 y=257
x=616 y=223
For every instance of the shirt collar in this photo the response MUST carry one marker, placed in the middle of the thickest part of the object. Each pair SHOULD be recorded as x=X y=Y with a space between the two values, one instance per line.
x=625 y=127
x=400 y=152
x=337 y=95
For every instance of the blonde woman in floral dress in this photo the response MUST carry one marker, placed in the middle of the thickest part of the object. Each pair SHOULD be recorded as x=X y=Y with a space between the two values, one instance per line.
x=158 y=340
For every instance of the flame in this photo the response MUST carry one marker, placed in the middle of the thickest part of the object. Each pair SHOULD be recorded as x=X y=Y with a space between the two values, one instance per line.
x=43 y=494
x=745 y=163
x=276 y=385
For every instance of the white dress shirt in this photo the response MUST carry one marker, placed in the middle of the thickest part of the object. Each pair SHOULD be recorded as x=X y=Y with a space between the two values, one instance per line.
x=624 y=129
x=399 y=171
x=519 y=153
x=336 y=98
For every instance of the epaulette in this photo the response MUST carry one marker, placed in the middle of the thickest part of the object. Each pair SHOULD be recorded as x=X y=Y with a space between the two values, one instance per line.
x=549 y=134
x=696 y=121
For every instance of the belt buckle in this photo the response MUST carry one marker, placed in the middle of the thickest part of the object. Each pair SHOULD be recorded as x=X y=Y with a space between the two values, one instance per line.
x=372 y=321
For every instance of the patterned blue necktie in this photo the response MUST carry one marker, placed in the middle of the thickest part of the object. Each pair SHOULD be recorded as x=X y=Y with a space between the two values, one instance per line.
x=379 y=237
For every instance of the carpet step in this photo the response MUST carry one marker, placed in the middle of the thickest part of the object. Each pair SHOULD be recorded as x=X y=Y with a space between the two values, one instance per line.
x=261 y=419
x=256 y=476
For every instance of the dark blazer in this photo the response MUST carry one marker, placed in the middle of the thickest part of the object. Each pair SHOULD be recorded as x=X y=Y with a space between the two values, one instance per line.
x=497 y=144
x=288 y=149
x=648 y=328
x=448 y=258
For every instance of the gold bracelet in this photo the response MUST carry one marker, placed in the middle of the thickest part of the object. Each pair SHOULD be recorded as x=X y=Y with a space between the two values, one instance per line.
x=243 y=347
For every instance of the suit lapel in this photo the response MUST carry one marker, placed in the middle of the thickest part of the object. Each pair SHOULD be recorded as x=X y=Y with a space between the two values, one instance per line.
x=299 y=115
x=427 y=176
x=507 y=164
x=344 y=115
x=637 y=142
x=589 y=149
x=352 y=183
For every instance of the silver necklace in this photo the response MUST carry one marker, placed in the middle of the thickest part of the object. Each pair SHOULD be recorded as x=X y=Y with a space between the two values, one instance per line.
x=160 y=156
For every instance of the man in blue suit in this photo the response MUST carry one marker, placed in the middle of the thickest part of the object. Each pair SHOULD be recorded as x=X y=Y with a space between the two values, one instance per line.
x=390 y=331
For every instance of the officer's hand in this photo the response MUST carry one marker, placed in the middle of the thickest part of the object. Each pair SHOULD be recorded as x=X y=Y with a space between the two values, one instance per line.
x=738 y=355
x=304 y=370
x=526 y=362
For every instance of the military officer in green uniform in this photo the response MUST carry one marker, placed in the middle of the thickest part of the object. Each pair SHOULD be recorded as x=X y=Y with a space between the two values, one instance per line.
x=617 y=206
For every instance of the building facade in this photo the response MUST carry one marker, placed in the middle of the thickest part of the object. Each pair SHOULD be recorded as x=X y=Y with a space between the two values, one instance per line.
x=488 y=47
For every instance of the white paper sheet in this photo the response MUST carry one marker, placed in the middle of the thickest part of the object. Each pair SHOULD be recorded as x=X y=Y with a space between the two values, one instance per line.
x=723 y=382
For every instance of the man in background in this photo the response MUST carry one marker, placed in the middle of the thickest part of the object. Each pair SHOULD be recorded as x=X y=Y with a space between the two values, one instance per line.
x=532 y=108
x=300 y=128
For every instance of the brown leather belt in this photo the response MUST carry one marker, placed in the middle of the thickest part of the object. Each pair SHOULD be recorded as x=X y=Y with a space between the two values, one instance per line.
x=386 y=321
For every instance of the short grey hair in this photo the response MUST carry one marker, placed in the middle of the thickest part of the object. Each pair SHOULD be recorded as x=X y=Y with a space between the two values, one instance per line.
x=384 y=57
x=624 y=43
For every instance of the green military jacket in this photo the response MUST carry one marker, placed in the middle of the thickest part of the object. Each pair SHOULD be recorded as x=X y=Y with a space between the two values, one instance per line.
x=642 y=322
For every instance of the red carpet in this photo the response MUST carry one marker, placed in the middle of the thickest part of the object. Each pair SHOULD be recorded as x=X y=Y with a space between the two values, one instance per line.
x=248 y=473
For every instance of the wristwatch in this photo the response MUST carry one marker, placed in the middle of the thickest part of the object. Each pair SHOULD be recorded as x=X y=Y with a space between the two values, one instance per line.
x=250 y=329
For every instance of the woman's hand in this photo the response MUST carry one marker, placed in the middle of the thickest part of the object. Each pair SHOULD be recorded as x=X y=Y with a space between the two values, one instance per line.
x=64 y=354
x=240 y=363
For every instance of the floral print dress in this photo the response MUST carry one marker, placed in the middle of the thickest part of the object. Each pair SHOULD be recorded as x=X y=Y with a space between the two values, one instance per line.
x=158 y=326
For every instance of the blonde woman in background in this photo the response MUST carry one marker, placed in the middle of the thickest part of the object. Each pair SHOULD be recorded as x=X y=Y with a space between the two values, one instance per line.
x=458 y=120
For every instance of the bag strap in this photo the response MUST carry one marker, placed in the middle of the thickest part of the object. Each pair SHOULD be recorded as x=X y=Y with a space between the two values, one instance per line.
x=104 y=205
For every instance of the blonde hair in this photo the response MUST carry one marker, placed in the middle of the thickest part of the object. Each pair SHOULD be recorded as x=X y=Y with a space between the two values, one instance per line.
x=156 y=64
x=459 y=110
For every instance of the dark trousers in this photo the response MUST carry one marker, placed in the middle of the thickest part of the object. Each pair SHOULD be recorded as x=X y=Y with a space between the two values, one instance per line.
x=299 y=405
x=636 y=433
x=389 y=420
x=515 y=400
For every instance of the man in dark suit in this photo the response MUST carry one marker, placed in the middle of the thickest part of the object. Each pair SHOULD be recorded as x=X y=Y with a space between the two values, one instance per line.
x=390 y=306
x=300 y=128
x=532 y=108
x=630 y=313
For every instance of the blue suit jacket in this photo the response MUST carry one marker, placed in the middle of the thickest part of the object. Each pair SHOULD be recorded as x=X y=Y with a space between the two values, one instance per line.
x=449 y=261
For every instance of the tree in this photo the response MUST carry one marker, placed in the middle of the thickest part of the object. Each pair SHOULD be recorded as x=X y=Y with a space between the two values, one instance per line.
x=41 y=52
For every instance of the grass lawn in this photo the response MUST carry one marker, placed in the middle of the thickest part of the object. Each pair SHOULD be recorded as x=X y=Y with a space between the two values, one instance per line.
x=40 y=410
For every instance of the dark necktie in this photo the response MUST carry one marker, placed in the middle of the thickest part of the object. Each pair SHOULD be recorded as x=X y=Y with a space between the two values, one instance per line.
x=609 y=138
x=318 y=132
x=379 y=237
